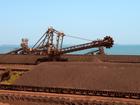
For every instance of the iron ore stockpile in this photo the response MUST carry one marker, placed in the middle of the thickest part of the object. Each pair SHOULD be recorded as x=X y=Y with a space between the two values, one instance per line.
x=47 y=74
x=83 y=75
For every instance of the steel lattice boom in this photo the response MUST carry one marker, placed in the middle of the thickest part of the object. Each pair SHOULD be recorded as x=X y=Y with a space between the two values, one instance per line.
x=50 y=44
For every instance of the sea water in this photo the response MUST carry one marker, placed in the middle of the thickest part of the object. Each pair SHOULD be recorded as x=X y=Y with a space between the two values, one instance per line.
x=115 y=50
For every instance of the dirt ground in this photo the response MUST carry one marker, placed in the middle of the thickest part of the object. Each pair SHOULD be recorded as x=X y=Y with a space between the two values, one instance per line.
x=39 y=98
x=4 y=103
x=119 y=73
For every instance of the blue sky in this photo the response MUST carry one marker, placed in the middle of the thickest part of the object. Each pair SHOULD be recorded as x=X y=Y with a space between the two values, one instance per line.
x=91 y=19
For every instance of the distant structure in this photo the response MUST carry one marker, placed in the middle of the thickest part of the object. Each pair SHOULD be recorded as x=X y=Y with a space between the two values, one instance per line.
x=24 y=44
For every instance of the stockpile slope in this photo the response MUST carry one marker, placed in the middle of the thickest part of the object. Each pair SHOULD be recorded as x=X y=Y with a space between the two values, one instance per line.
x=84 y=75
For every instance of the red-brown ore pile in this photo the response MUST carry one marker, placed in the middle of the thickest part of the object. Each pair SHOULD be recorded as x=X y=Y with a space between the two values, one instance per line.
x=84 y=75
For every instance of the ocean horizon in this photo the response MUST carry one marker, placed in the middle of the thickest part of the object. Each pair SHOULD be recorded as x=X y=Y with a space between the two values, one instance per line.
x=115 y=50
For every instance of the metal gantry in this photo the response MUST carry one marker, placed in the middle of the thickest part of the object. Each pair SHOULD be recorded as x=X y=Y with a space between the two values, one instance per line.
x=51 y=43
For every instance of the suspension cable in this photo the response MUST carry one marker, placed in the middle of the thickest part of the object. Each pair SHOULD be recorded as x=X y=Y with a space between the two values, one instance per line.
x=74 y=36
x=78 y=38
